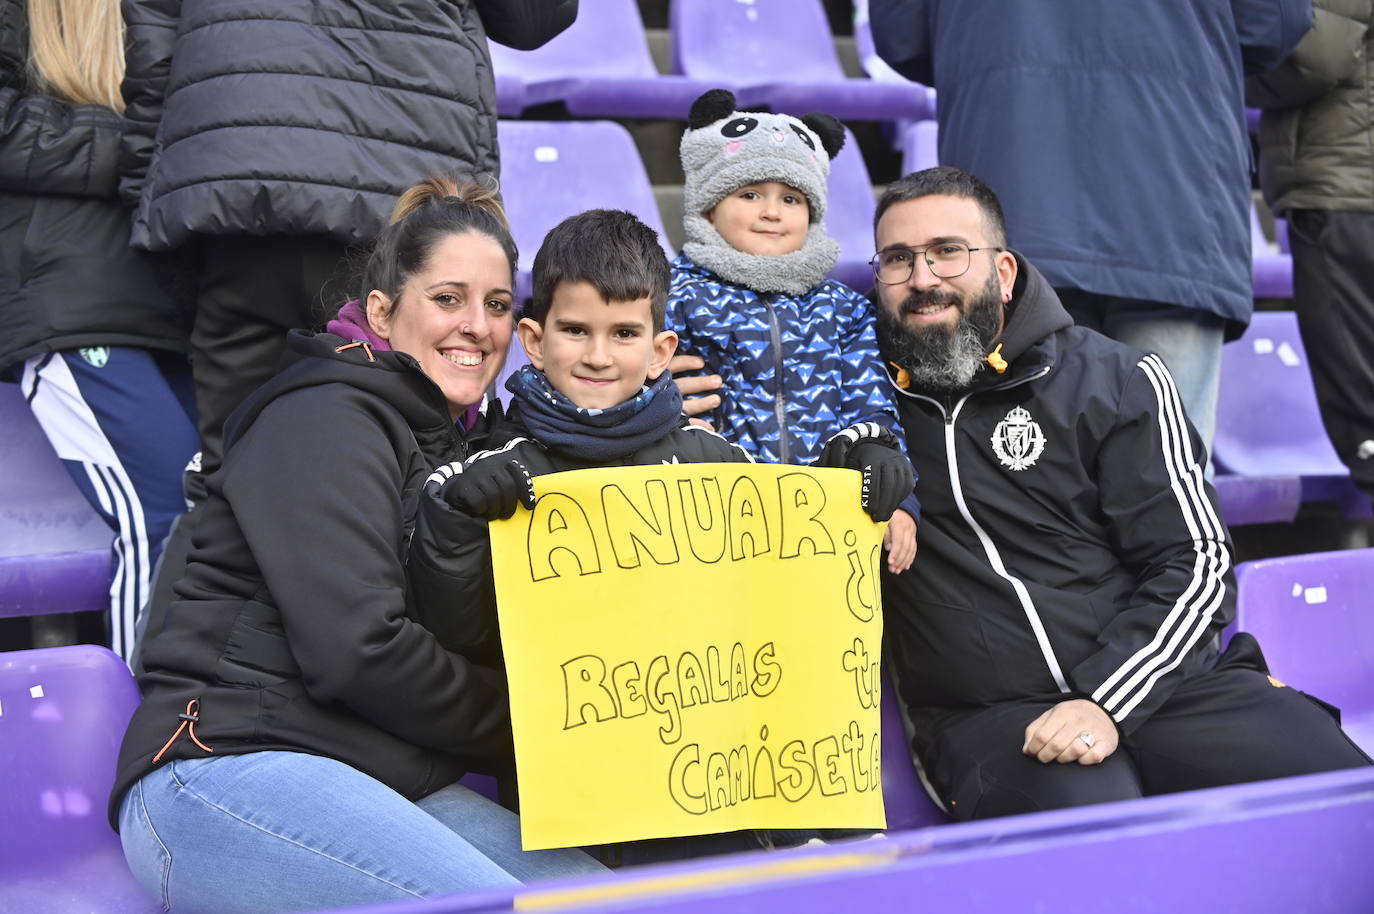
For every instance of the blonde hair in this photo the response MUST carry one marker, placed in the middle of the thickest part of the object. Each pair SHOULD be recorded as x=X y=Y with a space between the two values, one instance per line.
x=76 y=50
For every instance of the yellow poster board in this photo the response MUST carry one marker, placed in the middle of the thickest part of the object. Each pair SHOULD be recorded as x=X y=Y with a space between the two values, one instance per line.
x=692 y=649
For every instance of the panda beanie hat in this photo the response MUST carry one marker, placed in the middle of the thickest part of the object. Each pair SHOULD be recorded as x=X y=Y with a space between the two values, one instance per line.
x=723 y=150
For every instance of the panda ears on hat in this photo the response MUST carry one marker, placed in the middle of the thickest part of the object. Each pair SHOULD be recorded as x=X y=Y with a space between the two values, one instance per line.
x=715 y=104
x=711 y=107
x=829 y=129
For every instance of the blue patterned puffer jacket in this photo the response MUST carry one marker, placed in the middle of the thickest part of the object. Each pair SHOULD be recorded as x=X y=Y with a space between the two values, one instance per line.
x=796 y=369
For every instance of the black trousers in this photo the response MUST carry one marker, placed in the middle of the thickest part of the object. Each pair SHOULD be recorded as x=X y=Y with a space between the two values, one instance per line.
x=1227 y=726
x=1333 y=292
x=251 y=291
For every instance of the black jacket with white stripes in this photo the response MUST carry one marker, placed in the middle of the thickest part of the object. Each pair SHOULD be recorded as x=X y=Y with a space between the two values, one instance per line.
x=1070 y=546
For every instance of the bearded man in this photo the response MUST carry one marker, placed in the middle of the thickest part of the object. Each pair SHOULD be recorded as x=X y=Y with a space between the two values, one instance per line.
x=1055 y=642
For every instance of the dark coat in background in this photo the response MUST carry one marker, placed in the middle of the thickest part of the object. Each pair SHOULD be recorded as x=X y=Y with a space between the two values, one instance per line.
x=68 y=278
x=293 y=117
x=1317 y=132
x=1113 y=133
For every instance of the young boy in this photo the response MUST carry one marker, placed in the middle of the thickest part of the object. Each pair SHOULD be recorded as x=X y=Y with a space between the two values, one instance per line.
x=596 y=393
x=750 y=296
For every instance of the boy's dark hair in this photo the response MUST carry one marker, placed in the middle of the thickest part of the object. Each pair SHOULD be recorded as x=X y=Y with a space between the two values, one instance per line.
x=946 y=180
x=609 y=248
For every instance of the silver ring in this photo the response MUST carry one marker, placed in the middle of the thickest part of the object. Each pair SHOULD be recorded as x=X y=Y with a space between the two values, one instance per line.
x=1088 y=739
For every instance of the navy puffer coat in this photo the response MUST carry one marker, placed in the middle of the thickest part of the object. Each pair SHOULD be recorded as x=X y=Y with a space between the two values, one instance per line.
x=1113 y=133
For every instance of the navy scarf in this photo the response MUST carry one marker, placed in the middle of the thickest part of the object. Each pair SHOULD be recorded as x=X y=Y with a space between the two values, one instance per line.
x=596 y=435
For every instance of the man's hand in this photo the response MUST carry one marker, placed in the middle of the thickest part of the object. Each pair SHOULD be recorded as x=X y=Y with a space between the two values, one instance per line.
x=1057 y=735
x=900 y=541
x=693 y=384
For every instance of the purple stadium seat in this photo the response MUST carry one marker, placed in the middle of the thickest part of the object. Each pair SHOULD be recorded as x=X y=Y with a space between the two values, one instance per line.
x=849 y=216
x=1258 y=499
x=552 y=170
x=54 y=549
x=510 y=91
x=599 y=67
x=904 y=798
x=780 y=53
x=1273 y=271
x=1313 y=617
x=1267 y=418
x=1295 y=844
x=62 y=716
x=878 y=69
x=920 y=146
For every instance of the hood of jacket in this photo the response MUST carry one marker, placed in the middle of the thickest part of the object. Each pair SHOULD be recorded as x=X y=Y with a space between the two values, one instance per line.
x=313 y=359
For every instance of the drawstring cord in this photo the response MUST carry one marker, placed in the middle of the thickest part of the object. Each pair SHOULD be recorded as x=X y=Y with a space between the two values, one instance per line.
x=188 y=723
x=995 y=359
x=367 y=348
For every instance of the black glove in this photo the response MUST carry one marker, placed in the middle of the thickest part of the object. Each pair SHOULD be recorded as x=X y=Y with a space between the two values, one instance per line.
x=872 y=450
x=489 y=487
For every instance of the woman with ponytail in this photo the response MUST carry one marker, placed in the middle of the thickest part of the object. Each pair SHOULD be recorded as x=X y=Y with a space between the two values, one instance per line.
x=301 y=733
x=93 y=331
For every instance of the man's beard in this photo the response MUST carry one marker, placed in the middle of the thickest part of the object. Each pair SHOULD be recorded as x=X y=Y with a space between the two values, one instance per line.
x=940 y=358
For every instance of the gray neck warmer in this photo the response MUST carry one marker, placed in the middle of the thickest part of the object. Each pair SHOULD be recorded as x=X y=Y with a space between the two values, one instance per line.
x=793 y=274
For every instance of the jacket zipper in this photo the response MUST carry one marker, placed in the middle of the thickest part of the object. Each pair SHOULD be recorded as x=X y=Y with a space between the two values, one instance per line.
x=989 y=548
x=779 y=406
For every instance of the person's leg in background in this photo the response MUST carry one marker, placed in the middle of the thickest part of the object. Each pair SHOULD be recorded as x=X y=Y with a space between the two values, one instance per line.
x=114 y=417
x=1333 y=294
x=252 y=290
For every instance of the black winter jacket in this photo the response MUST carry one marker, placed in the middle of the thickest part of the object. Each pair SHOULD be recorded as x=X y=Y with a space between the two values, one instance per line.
x=294 y=628
x=1069 y=546
x=67 y=276
x=452 y=551
x=308 y=117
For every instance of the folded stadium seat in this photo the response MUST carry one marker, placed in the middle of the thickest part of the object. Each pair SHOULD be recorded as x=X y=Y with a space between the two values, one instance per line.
x=878 y=69
x=54 y=549
x=1272 y=499
x=1267 y=418
x=1311 y=616
x=599 y=67
x=510 y=90
x=62 y=715
x=920 y=146
x=780 y=53
x=1273 y=271
x=849 y=216
x=552 y=170
x=905 y=799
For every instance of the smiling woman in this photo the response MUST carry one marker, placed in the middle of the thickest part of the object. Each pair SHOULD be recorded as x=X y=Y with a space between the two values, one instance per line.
x=294 y=685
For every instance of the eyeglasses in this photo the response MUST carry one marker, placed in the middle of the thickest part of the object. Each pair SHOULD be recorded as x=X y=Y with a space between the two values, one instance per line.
x=946 y=260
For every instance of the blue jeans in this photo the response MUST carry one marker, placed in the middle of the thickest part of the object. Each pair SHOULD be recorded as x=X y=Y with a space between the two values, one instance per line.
x=1187 y=339
x=285 y=831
